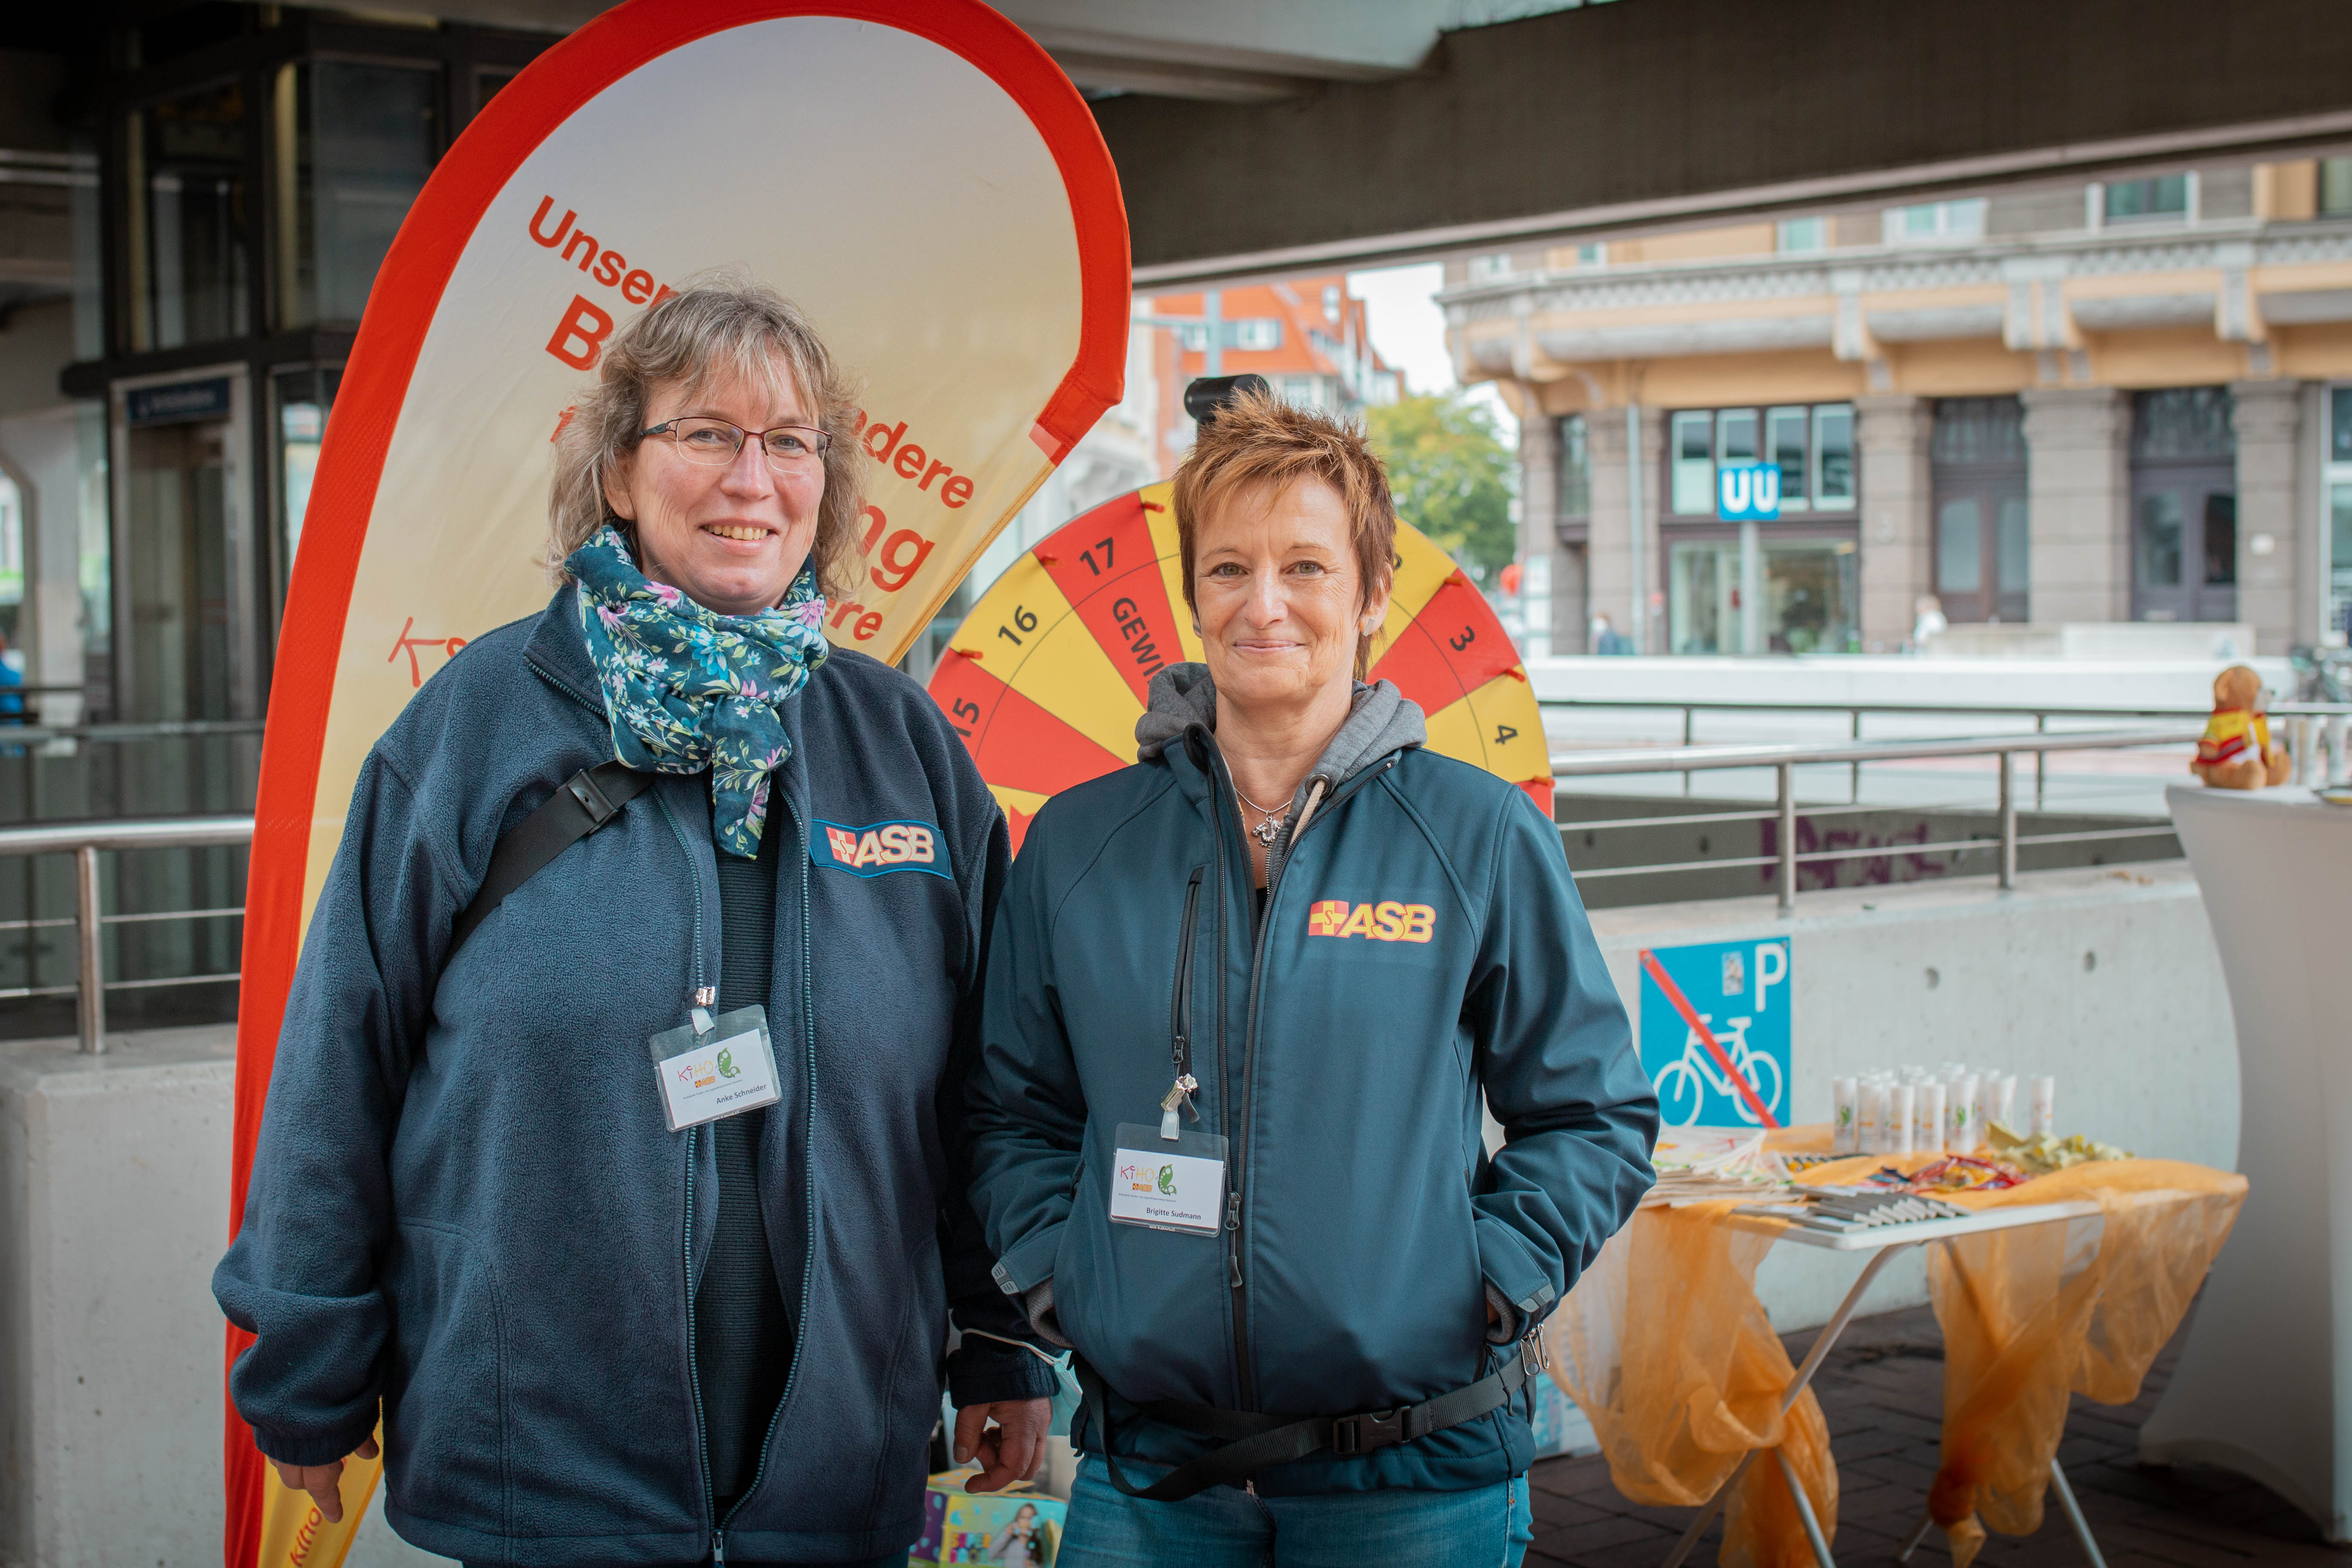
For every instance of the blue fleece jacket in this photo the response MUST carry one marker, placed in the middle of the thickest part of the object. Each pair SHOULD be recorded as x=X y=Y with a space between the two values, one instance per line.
x=466 y=1202
x=1423 y=947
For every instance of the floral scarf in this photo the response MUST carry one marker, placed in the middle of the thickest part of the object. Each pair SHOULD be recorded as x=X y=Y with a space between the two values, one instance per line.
x=689 y=687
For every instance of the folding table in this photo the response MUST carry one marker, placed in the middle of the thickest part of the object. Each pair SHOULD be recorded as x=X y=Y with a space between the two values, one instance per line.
x=1883 y=1243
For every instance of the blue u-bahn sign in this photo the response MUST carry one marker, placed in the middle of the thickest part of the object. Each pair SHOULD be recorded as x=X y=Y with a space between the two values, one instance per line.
x=1748 y=492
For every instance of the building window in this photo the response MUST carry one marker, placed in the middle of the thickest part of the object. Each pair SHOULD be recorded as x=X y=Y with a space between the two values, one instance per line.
x=2123 y=201
x=189 y=218
x=2184 y=505
x=1927 y=223
x=1306 y=390
x=1593 y=252
x=1575 y=467
x=1834 y=457
x=1330 y=301
x=1808 y=603
x=1691 y=451
x=1812 y=444
x=364 y=137
x=1785 y=444
x=2335 y=187
x=1805 y=233
x=1258 y=332
x=1487 y=268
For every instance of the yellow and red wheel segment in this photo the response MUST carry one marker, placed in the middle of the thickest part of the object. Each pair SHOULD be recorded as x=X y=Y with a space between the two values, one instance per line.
x=1046 y=676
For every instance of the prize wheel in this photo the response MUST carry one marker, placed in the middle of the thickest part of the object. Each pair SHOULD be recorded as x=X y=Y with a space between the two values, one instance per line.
x=1046 y=676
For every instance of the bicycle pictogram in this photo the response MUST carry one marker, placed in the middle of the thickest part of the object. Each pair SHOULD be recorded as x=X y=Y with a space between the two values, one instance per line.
x=1684 y=1084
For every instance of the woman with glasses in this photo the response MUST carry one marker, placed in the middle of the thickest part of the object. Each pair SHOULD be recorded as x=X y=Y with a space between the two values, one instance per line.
x=619 y=1187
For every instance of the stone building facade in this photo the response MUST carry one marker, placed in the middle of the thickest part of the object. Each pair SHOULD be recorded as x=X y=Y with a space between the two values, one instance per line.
x=2129 y=401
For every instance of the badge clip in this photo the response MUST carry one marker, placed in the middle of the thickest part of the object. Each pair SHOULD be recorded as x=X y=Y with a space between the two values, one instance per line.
x=1180 y=1094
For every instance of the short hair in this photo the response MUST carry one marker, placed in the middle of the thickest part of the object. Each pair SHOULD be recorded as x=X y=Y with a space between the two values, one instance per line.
x=1259 y=440
x=720 y=325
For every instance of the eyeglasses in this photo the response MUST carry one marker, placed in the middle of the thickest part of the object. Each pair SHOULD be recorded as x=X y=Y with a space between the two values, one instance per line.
x=716 y=442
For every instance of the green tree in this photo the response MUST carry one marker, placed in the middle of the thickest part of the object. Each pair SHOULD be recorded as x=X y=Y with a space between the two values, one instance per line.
x=1451 y=475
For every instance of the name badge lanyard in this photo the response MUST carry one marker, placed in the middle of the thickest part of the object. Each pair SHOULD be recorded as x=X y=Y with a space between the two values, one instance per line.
x=1165 y=1178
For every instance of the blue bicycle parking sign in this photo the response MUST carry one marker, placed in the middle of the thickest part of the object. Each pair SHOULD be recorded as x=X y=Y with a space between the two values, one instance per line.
x=1740 y=992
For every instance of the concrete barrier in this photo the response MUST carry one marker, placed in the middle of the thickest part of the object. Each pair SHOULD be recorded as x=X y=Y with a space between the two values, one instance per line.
x=114 y=1169
x=113 y=1209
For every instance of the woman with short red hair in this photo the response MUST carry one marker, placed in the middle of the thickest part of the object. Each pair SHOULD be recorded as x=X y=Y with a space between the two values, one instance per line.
x=1245 y=1002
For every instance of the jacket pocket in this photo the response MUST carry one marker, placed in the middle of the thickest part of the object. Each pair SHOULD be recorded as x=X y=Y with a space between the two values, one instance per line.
x=445 y=1382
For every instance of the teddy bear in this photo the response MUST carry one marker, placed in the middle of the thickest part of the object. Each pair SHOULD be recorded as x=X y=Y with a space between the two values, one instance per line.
x=2235 y=751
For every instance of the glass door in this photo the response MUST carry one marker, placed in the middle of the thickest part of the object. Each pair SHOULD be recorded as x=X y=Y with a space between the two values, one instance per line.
x=2184 y=501
x=183 y=571
x=1983 y=538
x=1983 y=551
x=2184 y=544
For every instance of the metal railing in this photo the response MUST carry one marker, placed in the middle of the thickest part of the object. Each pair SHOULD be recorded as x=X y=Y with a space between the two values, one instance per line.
x=85 y=841
x=2312 y=733
x=1785 y=760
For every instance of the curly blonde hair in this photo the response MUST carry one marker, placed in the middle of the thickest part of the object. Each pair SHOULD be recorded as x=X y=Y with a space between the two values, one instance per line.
x=720 y=326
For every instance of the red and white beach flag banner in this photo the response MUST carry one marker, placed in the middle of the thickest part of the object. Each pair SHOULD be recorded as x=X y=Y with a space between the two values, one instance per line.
x=917 y=175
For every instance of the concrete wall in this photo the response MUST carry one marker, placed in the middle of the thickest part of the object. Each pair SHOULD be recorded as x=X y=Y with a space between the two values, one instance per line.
x=113 y=1209
x=2107 y=979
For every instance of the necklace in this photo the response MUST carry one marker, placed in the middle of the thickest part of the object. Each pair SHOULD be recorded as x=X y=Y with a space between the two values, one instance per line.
x=1265 y=831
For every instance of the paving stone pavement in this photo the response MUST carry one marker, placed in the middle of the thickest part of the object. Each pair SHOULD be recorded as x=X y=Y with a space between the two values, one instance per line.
x=1882 y=1389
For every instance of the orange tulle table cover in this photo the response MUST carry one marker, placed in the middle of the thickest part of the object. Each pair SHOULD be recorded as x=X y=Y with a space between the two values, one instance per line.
x=1666 y=1348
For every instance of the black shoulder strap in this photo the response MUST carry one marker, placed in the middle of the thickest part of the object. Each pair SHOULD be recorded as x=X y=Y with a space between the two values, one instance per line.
x=1252 y=1442
x=589 y=799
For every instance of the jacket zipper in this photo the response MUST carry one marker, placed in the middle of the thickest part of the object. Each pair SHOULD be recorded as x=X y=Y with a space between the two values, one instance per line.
x=1236 y=1224
x=693 y=1141
x=693 y=1373
x=808 y=1254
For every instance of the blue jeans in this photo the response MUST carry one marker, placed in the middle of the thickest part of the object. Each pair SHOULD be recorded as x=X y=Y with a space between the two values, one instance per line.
x=1223 y=1528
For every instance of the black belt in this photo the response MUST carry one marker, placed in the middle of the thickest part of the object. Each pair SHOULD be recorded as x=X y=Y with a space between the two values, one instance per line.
x=1254 y=1442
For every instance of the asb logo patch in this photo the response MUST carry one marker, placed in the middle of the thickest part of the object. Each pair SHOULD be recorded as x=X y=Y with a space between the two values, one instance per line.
x=1388 y=922
x=883 y=847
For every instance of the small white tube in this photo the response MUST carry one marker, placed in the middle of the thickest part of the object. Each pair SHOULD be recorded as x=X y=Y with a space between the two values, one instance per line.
x=2005 y=1107
x=2045 y=1105
x=1960 y=1116
x=1845 y=1103
x=1866 y=1123
x=1907 y=1110
x=1930 y=1117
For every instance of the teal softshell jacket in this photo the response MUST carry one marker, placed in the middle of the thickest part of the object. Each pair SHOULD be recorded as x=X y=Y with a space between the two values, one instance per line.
x=1422 y=946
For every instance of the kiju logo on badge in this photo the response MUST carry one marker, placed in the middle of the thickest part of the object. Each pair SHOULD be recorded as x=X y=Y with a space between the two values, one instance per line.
x=877 y=848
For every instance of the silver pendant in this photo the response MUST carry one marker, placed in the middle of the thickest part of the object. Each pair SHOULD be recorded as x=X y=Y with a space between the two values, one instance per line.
x=1265 y=832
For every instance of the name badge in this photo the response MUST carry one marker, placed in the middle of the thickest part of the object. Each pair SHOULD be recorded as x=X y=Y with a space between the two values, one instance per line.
x=709 y=1069
x=1169 y=1183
